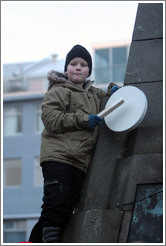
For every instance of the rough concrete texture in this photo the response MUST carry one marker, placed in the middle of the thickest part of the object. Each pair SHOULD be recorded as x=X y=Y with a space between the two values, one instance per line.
x=143 y=56
x=87 y=226
x=110 y=148
x=149 y=25
x=154 y=94
x=122 y=161
x=133 y=170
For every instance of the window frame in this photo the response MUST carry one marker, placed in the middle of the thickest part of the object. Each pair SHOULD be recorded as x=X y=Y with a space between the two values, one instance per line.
x=111 y=74
x=37 y=113
x=5 y=175
x=15 y=229
x=18 y=116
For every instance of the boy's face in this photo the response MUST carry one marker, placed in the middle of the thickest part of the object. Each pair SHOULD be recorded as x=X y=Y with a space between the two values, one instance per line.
x=77 y=70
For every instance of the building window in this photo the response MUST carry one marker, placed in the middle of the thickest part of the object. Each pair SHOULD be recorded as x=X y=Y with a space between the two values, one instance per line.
x=38 y=177
x=119 y=60
x=102 y=58
x=119 y=55
x=12 y=172
x=39 y=124
x=14 y=231
x=110 y=64
x=101 y=66
x=12 y=120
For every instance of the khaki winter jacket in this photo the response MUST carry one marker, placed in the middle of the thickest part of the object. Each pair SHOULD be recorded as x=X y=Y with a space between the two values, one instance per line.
x=67 y=137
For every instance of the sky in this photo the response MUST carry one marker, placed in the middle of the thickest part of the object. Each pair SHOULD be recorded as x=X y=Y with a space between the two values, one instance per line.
x=34 y=30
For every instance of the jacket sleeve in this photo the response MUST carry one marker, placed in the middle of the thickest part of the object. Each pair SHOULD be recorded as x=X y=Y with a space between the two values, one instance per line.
x=55 y=116
x=101 y=93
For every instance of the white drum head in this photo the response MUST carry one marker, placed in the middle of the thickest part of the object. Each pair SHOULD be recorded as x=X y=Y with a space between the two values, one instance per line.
x=130 y=114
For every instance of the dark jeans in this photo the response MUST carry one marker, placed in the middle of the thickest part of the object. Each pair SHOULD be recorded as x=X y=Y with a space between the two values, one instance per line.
x=62 y=186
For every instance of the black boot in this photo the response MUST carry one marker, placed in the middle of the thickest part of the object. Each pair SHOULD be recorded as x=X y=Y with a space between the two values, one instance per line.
x=52 y=234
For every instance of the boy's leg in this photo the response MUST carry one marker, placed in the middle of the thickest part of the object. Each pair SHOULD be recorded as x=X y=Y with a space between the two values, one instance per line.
x=55 y=212
x=57 y=190
x=61 y=189
x=60 y=196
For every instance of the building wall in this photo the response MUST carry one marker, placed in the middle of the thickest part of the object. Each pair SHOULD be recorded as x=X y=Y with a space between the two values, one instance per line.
x=24 y=201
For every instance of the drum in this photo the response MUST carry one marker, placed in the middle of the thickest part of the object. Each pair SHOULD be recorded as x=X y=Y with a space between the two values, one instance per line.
x=126 y=109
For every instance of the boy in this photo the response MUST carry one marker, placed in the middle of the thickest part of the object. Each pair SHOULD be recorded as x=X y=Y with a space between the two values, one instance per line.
x=69 y=115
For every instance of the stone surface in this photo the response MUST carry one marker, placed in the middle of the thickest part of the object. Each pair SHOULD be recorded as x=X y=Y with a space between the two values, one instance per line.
x=133 y=170
x=153 y=141
x=149 y=25
x=94 y=226
x=142 y=58
x=109 y=148
x=154 y=94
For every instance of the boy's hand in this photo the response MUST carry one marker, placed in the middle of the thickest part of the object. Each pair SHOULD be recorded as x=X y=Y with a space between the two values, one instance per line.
x=114 y=88
x=94 y=120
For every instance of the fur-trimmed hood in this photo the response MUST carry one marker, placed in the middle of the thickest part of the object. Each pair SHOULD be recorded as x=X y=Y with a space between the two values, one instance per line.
x=57 y=77
x=54 y=76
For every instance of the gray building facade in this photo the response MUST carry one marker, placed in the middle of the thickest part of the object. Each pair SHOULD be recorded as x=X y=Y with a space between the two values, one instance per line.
x=22 y=178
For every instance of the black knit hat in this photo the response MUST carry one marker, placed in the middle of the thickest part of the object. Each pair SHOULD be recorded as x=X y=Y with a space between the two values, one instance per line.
x=79 y=51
